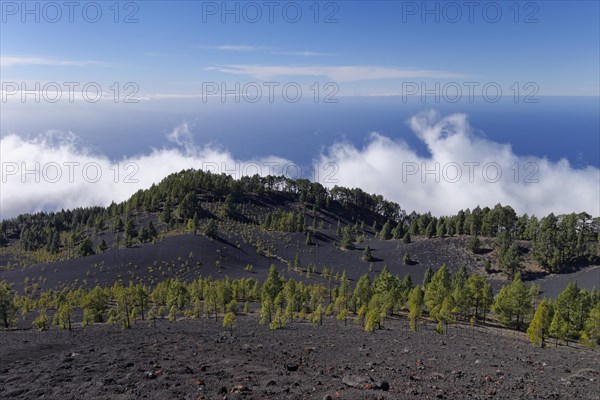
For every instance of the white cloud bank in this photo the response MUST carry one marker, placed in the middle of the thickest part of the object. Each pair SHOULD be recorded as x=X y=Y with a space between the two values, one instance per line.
x=385 y=166
x=53 y=171
x=462 y=171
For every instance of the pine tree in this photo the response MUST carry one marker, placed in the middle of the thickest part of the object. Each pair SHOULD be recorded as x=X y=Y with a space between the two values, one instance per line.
x=63 y=317
x=564 y=322
x=461 y=295
x=317 y=316
x=8 y=308
x=102 y=247
x=130 y=231
x=141 y=299
x=540 y=324
x=437 y=290
x=151 y=230
x=118 y=225
x=415 y=307
x=427 y=277
x=363 y=291
x=347 y=242
x=386 y=231
x=475 y=244
x=210 y=229
x=86 y=248
x=513 y=303
x=309 y=240
x=373 y=314
x=478 y=289
x=406 y=238
x=195 y=223
x=590 y=335
x=42 y=321
x=121 y=313
x=398 y=231
x=430 y=230
x=94 y=306
x=510 y=260
x=406 y=259
x=446 y=314
x=367 y=256
x=229 y=322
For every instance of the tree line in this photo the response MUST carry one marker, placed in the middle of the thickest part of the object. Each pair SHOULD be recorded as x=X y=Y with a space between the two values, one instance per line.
x=442 y=297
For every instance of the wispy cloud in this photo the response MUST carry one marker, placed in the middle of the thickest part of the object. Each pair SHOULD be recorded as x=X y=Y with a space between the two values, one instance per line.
x=302 y=53
x=11 y=61
x=243 y=48
x=336 y=73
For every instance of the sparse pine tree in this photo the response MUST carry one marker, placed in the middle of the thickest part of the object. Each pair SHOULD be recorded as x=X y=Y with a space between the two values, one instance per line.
x=386 y=231
x=590 y=336
x=540 y=324
x=437 y=290
x=415 y=307
x=173 y=313
x=86 y=247
x=8 y=308
x=41 y=322
x=229 y=322
x=347 y=242
x=367 y=256
x=102 y=247
x=475 y=245
x=427 y=277
x=406 y=238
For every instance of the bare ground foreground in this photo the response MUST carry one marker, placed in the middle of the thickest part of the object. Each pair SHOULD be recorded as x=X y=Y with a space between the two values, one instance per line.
x=195 y=359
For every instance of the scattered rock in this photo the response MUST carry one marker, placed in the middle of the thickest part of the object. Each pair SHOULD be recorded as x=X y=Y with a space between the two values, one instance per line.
x=292 y=367
x=365 y=382
x=150 y=375
x=240 y=389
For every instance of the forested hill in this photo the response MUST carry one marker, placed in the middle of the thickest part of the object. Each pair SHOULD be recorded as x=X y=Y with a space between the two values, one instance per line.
x=197 y=202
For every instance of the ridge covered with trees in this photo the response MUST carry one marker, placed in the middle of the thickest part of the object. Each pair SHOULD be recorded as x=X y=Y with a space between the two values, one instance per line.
x=193 y=201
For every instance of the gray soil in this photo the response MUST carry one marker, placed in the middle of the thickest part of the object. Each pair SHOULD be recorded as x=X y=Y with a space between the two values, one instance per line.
x=195 y=359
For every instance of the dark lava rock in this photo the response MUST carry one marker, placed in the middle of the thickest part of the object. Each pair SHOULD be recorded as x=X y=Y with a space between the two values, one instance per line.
x=150 y=375
x=240 y=389
x=364 y=382
x=291 y=367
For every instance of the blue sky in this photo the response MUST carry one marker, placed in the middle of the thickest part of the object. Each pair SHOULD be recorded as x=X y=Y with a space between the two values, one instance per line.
x=175 y=46
x=368 y=72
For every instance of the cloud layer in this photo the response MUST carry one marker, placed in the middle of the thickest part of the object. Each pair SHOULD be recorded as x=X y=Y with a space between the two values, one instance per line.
x=463 y=170
x=349 y=73
x=55 y=171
